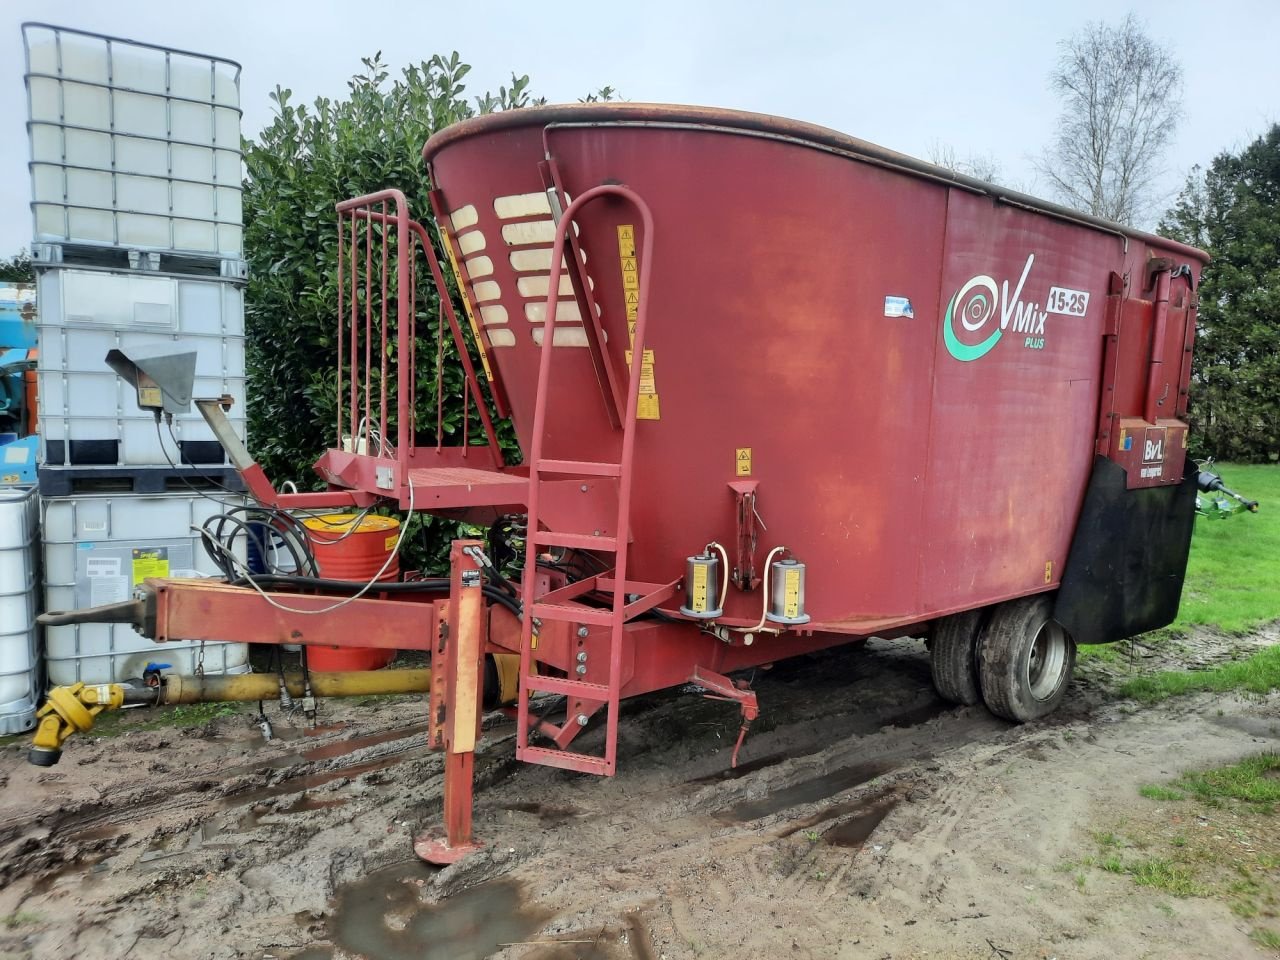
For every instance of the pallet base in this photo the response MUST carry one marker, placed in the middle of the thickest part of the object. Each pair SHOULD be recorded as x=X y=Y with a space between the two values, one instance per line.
x=68 y=481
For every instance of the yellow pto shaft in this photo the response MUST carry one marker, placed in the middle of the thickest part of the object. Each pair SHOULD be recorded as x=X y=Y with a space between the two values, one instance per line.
x=72 y=709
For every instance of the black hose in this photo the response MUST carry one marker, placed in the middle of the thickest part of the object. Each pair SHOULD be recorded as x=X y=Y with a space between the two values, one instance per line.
x=255 y=524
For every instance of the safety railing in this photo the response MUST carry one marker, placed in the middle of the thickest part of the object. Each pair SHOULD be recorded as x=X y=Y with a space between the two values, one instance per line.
x=379 y=246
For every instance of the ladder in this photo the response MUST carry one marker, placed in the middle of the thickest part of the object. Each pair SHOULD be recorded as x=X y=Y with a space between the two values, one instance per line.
x=563 y=605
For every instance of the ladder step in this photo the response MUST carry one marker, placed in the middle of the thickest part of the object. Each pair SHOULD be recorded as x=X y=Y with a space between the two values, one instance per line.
x=572 y=613
x=587 y=468
x=580 y=762
x=569 y=688
x=576 y=541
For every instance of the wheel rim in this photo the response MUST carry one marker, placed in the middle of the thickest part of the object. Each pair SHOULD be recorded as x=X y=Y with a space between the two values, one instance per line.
x=1047 y=664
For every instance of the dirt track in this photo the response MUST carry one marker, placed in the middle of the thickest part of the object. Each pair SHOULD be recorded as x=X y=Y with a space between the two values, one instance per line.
x=868 y=820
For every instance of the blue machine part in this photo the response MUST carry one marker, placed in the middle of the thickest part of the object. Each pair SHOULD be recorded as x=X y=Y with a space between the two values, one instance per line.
x=18 y=462
x=13 y=398
x=17 y=316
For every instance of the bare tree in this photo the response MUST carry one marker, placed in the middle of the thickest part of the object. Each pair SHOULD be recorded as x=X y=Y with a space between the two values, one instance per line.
x=1121 y=98
x=979 y=166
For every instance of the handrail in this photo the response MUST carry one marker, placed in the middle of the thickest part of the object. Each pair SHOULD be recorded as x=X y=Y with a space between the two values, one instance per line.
x=408 y=233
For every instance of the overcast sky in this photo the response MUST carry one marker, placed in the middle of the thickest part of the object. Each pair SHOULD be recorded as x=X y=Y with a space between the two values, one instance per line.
x=907 y=75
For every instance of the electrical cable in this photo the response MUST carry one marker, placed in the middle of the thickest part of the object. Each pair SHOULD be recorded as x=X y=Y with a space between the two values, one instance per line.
x=395 y=551
x=177 y=445
x=194 y=489
x=354 y=523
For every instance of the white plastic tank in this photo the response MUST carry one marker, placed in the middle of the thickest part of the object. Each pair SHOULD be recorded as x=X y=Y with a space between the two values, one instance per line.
x=96 y=550
x=19 y=656
x=133 y=145
x=84 y=404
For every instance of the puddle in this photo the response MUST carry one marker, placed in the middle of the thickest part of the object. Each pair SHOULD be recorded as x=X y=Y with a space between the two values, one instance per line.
x=383 y=917
x=855 y=831
x=324 y=728
x=313 y=780
x=307 y=802
x=106 y=831
x=342 y=747
x=327 y=752
x=742 y=769
x=807 y=791
x=550 y=814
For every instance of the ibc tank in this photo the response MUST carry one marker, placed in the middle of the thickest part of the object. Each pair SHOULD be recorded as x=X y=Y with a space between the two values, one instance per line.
x=19 y=663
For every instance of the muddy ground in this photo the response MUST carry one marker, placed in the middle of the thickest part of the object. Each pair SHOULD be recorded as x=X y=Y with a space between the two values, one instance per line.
x=868 y=819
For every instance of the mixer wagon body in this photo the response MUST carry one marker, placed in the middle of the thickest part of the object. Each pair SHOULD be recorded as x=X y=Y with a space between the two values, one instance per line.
x=913 y=371
x=775 y=389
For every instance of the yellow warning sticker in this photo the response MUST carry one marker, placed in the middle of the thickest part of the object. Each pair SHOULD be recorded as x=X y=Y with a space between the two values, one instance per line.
x=1124 y=433
x=150 y=397
x=647 y=407
x=466 y=307
x=699 y=588
x=630 y=277
x=743 y=468
x=390 y=543
x=647 y=385
x=791 y=594
x=1048 y=572
x=150 y=563
x=626 y=240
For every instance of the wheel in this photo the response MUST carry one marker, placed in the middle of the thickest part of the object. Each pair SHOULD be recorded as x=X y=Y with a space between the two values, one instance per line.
x=953 y=657
x=1025 y=659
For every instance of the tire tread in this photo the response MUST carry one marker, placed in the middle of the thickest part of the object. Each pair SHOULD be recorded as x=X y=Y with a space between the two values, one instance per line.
x=999 y=651
x=953 y=657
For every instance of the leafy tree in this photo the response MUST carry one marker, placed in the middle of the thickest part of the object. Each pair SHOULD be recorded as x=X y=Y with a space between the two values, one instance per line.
x=1232 y=210
x=1121 y=95
x=17 y=269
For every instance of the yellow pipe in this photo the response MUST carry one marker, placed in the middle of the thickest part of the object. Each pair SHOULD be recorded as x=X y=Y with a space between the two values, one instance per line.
x=73 y=709
x=266 y=686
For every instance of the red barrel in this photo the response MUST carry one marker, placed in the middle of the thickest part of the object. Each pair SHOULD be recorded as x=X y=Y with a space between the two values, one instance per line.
x=351 y=547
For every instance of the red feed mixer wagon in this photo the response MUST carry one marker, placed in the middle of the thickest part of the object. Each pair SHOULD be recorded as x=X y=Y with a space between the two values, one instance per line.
x=776 y=389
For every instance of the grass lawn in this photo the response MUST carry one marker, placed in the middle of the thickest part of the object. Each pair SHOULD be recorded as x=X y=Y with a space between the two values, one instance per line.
x=1210 y=833
x=1233 y=576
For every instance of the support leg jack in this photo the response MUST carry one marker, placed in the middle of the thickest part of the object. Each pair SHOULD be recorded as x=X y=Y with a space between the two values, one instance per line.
x=454 y=722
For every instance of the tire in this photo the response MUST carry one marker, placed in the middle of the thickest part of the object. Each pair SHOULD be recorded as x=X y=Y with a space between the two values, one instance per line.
x=1025 y=659
x=953 y=658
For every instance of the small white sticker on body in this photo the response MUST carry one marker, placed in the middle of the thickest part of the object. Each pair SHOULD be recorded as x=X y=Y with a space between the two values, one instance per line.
x=898 y=307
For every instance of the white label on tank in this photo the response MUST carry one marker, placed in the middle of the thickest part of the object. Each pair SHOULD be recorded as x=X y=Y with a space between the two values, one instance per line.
x=898 y=307
x=1068 y=302
x=106 y=582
